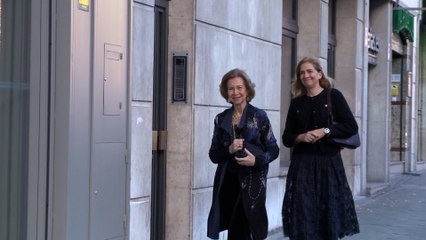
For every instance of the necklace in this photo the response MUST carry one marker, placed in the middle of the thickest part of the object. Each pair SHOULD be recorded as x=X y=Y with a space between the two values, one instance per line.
x=235 y=121
x=236 y=118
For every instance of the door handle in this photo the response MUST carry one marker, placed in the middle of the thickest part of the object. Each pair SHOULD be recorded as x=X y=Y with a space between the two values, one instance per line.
x=159 y=140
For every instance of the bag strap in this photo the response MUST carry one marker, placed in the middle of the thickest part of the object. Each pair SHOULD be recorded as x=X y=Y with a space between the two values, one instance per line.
x=329 y=105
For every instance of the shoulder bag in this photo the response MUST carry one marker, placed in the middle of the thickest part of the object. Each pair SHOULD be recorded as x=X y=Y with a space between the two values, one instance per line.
x=351 y=142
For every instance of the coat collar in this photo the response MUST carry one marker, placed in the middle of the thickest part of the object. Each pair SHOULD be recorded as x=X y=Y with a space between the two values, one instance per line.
x=227 y=120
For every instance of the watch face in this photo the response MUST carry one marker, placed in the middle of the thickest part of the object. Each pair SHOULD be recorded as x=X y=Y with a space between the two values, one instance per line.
x=326 y=130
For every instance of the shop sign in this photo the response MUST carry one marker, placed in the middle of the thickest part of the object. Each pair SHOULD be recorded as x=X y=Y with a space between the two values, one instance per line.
x=403 y=24
x=373 y=44
x=84 y=5
x=396 y=78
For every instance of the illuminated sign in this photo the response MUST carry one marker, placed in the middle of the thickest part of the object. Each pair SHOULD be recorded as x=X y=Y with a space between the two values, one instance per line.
x=84 y=5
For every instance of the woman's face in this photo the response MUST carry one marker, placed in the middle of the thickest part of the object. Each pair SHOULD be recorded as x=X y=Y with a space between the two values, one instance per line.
x=237 y=91
x=309 y=76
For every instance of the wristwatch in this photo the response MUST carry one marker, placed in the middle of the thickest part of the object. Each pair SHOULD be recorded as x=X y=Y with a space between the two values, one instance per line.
x=326 y=130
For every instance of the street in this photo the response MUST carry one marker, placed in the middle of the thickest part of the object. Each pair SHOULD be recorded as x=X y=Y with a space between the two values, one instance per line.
x=396 y=212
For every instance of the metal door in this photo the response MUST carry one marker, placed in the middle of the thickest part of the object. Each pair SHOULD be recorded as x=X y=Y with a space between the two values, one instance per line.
x=108 y=167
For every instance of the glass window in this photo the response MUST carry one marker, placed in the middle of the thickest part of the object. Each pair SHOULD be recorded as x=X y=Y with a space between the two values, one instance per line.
x=332 y=17
x=288 y=9
x=14 y=115
x=290 y=15
x=288 y=65
x=331 y=54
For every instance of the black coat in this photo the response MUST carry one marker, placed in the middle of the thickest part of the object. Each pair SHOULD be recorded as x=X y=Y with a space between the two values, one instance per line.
x=308 y=113
x=259 y=140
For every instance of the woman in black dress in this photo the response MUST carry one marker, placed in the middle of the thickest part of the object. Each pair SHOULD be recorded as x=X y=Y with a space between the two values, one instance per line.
x=318 y=203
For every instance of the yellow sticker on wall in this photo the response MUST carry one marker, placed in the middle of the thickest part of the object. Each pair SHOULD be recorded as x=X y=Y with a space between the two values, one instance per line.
x=395 y=89
x=83 y=5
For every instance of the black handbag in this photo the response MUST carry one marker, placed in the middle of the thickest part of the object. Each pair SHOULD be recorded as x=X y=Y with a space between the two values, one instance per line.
x=351 y=142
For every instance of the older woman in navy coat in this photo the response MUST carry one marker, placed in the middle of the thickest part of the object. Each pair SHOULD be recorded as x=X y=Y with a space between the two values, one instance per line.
x=242 y=147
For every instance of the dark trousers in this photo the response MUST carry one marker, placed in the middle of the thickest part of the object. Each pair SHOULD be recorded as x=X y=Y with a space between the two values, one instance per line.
x=238 y=226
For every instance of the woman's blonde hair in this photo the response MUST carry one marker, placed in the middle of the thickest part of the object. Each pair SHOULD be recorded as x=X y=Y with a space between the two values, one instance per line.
x=246 y=79
x=297 y=88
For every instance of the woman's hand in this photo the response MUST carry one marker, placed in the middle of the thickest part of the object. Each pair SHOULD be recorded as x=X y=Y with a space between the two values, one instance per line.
x=236 y=145
x=311 y=136
x=247 y=161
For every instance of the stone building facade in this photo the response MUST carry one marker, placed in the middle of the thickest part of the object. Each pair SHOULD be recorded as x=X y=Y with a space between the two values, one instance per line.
x=108 y=106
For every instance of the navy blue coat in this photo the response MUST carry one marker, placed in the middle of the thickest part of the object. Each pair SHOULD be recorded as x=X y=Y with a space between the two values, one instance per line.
x=259 y=140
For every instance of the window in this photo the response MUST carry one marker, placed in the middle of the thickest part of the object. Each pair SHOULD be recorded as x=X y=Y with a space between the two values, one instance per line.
x=331 y=52
x=288 y=61
x=14 y=117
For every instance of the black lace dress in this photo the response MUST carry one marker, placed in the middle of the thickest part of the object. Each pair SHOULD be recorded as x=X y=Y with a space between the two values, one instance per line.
x=318 y=202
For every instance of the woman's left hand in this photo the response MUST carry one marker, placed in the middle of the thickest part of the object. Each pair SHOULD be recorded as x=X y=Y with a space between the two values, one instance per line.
x=248 y=160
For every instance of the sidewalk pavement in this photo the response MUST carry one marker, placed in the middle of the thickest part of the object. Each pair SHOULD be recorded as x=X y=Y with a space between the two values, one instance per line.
x=396 y=212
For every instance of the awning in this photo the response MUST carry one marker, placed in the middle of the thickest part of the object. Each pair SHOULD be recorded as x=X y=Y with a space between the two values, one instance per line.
x=403 y=23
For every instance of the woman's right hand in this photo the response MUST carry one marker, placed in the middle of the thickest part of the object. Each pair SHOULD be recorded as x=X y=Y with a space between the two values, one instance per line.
x=236 y=145
x=308 y=137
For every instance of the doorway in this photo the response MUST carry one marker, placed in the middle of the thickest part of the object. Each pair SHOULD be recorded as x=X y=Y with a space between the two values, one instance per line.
x=159 y=122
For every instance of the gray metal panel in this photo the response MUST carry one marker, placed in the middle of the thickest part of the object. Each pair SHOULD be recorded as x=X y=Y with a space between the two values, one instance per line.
x=109 y=120
x=108 y=204
x=72 y=122
x=108 y=168
x=114 y=84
